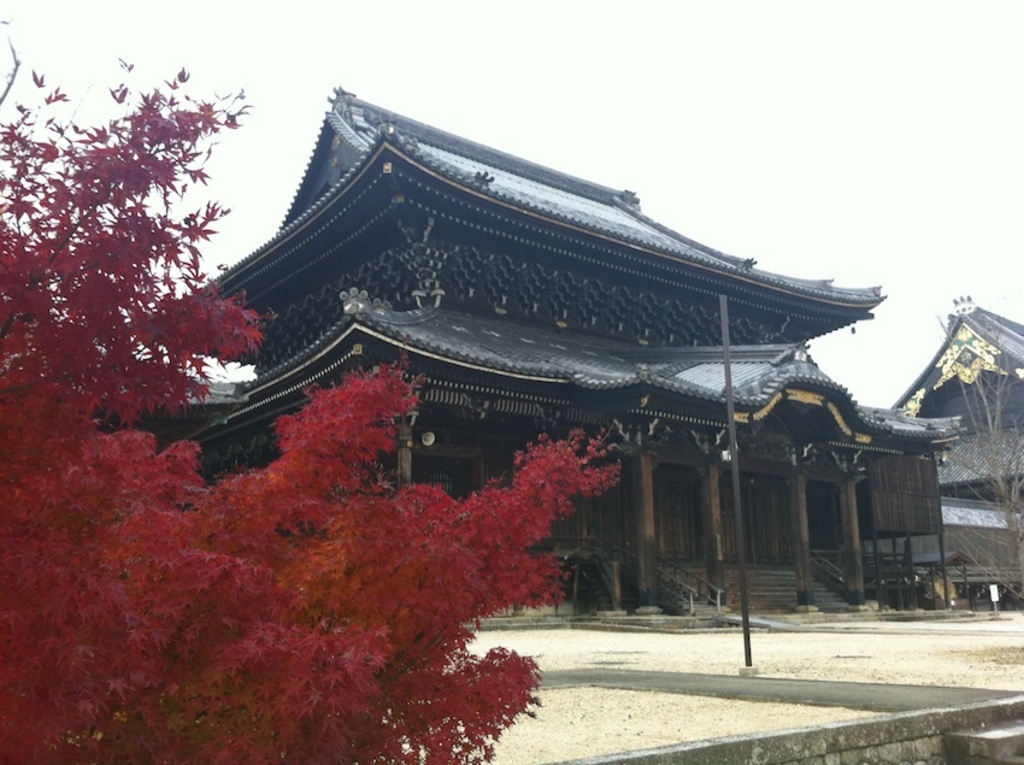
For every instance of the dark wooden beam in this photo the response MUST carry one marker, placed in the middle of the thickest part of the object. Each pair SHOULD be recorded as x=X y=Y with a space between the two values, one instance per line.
x=797 y=483
x=851 y=534
x=646 y=543
x=711 y=509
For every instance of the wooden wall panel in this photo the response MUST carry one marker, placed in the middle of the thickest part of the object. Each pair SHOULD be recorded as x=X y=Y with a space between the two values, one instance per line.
x=678 y=514
x=771 y=528
x=904 y=495
x=766 y=519
x=607 y=519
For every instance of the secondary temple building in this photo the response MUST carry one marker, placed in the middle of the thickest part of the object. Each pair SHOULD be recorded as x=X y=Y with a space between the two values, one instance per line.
x=531 y=301
x=977 y=376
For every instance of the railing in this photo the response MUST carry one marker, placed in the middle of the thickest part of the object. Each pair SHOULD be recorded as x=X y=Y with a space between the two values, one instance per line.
x=827 y=571
x=699 y=587
x=677 y=586
x=890 y=564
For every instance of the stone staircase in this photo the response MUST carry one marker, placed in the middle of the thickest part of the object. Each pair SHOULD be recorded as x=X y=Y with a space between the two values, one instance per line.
x=825 y=599
x=1002 y=744
x=674 y=593
x=772 y=589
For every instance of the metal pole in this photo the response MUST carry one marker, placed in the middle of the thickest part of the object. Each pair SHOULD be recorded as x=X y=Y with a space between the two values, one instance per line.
x=898 y=570
x=405 y=455
x=881 y=597
x=741 y=546
x=945 y=575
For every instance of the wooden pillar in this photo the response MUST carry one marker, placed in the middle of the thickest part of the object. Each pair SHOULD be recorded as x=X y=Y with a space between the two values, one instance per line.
x=851 y=534
x=646 y=547
x=479 y=473
x=404 y=455
x=711 y=510
x=801 y=541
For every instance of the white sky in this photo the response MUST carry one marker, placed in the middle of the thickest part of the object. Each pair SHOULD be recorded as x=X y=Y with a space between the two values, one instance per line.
x=869 y=142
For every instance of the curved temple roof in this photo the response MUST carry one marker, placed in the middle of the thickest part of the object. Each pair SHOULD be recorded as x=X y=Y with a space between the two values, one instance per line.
x=763 y=375
x=355 y=130
x=364 y=150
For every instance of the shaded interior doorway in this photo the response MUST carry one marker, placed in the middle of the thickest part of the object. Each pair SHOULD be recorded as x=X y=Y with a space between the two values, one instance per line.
x=824 y=519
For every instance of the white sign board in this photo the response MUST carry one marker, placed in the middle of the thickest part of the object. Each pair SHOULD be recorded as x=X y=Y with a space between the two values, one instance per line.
x=993 y=593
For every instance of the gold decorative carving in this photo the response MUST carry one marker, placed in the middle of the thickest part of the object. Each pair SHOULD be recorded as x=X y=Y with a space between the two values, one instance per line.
x=760 y=414
x=357 y=349
x=967 y=357
x=806 y=397
x=645 y=401
x=914 y=403
x=839 y=419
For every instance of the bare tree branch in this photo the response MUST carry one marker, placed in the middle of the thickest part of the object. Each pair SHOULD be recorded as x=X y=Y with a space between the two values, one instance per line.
x=994 y=454
x=12 y=75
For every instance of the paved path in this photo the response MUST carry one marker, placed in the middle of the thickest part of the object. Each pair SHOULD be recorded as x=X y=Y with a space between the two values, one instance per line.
x=871 y=696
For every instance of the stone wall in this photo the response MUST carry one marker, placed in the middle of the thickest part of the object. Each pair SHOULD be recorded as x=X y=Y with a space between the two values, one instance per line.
x=907 y=738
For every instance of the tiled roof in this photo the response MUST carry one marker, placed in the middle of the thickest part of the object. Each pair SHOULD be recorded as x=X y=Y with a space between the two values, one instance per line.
x=592 y=363
x=1006 y=335
x=896 y=421
x=606 y=213
x=588 y=362
x=976 y=457
x=579 y=202
x=224 y=391
x=362 y=128
x=965 y=512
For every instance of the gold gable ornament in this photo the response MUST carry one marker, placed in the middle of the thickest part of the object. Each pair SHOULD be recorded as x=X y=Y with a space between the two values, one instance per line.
x=966 y=358
x=914 y=403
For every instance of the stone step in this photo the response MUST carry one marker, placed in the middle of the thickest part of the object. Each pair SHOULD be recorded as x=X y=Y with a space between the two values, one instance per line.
x=773 y=589
x=1002 y=744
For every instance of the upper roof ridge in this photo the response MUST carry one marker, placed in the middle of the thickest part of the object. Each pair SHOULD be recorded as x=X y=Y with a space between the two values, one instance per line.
x=355 y=130
x=350 y=107
x=375 y=121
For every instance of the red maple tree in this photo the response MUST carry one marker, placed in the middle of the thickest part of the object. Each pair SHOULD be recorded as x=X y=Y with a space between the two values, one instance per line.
x=305 y=612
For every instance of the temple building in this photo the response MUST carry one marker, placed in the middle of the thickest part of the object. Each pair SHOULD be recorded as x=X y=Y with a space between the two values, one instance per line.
x=977 y=376
x=531 y=301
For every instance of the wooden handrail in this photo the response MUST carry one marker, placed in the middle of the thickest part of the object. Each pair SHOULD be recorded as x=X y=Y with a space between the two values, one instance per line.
x=833 y=573
x=683 y=584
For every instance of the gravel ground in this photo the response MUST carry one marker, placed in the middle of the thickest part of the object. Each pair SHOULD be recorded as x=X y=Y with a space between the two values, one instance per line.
x=583 y=722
